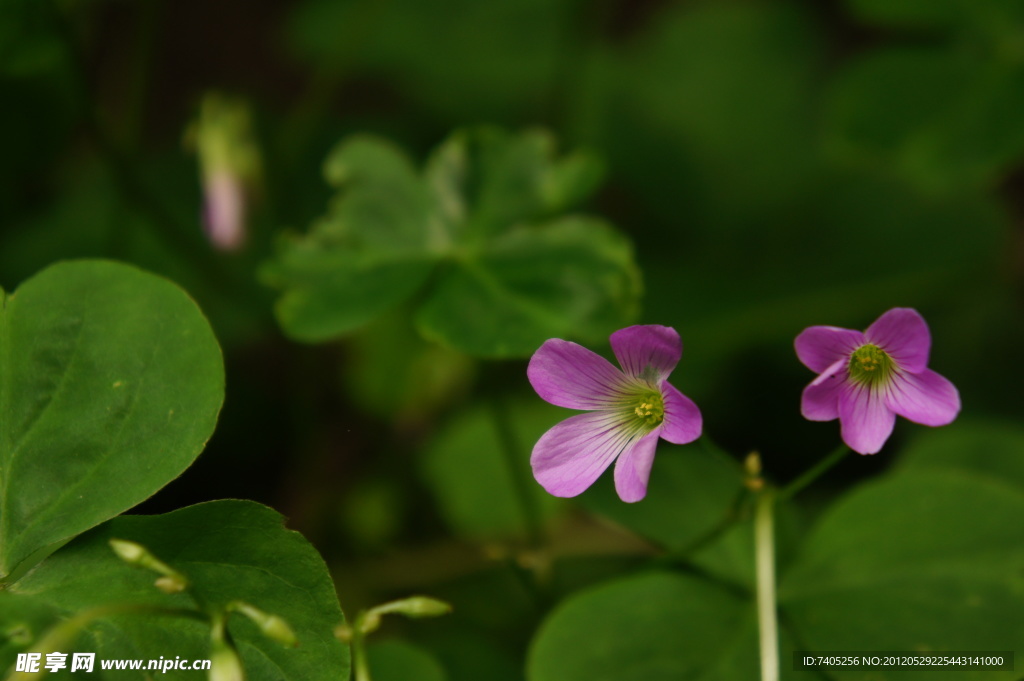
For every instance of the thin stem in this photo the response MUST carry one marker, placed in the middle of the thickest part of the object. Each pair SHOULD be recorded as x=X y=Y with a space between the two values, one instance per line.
x=793 y=488
x=510 y=449
x=360 y=666
x=764 y=549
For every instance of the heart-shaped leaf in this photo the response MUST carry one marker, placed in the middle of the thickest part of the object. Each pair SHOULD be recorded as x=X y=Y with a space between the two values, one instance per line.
x=228 y=551
x=924 y=560
x=110 y=384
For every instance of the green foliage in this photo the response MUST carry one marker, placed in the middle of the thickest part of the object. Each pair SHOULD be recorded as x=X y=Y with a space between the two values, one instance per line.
x=649 y=627
x=228 y=551
x=994 y=449
x=399 y=661
x=923 y=561
x=110 y=384
x=469 y=473
x=690 y=493
x=479 y=234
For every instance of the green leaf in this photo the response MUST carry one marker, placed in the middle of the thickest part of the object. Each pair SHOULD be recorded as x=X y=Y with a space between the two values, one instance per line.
x=689 y=494
x=22 y=621
x=110 y=385
x=401 y=661
x=372 y=250
x=650 y=627
x=228 y=550
x=919 y=561
x=392 y=372
x=990 y=448
x=471 y=479
x=574 y=277
x=487 y=180
x=479 y=236
x=939 y=117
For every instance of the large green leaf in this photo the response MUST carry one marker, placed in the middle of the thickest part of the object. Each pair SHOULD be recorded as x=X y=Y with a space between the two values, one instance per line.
x=228 y=550
x=991 y=448
x=925 y=560
x=650 y=627
x=480 y=235
x=372 y=250
x=110 y=385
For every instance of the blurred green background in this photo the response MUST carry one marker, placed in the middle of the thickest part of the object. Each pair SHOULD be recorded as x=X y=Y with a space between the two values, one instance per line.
x=776 y=165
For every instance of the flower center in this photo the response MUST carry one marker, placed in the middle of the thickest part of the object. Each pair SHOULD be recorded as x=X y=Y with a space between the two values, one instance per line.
x=870 y=364
x=650 y=408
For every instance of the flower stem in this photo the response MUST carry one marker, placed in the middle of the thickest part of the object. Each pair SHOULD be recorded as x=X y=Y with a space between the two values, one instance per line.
x=764 y=549
x=361 y=669
x=794 y=488
x=509 y=445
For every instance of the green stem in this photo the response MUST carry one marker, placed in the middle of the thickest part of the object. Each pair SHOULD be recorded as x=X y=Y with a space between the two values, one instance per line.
x=509 y=445
x=794 y=488
x=764 y=548
x=360 y=666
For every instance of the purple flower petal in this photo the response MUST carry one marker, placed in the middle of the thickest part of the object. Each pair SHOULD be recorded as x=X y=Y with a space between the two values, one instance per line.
x=904 y=335
x=820 y=401
x=866 y=420
x=633 y=469
x=640 y=347
x=568 y=375
x=819 y=347
x=926 y=398
x=224 y=210
x=569 y=458
x=683 y=421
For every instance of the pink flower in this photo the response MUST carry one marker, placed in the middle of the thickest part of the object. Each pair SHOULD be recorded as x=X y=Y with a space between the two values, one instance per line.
x=867 y=378
x=224 y=210
x=628 y=410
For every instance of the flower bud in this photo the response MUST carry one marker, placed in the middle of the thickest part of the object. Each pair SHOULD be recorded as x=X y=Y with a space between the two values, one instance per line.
x=170 y=582
x=272 y=626
x=225 y=664
x=231 y=168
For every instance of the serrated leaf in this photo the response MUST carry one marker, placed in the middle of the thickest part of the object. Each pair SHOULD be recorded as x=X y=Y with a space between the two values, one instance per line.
x=477 y=236
x=228 y=550
x=110 y=385
x=574 y=277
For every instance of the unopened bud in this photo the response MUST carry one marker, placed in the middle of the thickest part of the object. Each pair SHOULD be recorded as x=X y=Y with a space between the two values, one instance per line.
x=272 y=626
x=343 y=633
x=752 y=465
x=170 y=582
x=414 y=606
x=129 y=551
x=225 y=664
